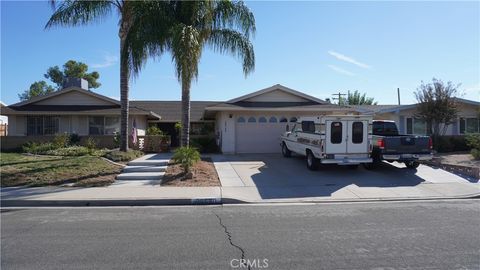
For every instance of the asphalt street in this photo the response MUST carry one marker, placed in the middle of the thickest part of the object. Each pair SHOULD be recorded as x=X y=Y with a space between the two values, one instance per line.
x=393 y=235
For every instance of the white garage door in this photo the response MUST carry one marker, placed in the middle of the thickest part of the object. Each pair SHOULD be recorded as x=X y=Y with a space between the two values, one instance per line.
x=259 y=134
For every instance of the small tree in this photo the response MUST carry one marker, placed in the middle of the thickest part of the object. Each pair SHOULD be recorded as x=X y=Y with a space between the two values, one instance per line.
x=187 y=157
x=437 y=105
x=355 y=98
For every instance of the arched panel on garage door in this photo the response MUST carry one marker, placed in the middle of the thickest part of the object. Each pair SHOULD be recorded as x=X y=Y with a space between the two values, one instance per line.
x=261 y=136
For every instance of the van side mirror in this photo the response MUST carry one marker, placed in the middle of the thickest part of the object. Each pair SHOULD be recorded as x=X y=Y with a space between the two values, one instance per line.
x=287 y=128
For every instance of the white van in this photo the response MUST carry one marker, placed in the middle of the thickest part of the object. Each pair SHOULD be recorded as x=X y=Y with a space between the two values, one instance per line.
x=331 y=139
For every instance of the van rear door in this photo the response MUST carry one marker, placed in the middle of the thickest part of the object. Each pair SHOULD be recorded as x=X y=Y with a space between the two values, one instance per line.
x=357 y=137
x=335 y=138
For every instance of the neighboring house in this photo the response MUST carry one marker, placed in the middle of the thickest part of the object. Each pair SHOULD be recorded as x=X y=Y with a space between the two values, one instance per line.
x=404 y=115
x=248 y=124
x=71 y=110
x=3 y=121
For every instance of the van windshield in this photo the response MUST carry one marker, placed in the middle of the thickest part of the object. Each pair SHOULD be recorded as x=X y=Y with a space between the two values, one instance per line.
x=385 y=128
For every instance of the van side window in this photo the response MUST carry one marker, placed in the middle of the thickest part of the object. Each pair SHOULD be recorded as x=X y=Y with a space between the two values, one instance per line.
x=308 y=126
x=336 y=132
x=357 y=132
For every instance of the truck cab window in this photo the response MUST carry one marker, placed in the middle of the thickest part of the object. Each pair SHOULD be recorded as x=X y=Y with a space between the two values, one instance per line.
x=296 y=128
x=308 y=126
x=385 y=128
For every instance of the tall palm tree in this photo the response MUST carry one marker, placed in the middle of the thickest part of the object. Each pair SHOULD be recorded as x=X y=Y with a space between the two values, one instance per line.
x=78 y=12
x=185 y=28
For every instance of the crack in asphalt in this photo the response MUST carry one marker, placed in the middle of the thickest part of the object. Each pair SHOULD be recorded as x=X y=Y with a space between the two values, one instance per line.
x=229 y=236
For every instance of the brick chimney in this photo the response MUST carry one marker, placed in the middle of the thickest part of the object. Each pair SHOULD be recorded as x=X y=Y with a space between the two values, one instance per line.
x=76 y=82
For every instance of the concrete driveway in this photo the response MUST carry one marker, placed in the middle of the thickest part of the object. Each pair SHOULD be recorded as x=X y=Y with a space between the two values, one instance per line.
x=271 y=177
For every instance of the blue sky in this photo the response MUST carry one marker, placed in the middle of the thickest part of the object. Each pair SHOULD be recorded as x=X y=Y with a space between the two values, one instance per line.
x=316 y=47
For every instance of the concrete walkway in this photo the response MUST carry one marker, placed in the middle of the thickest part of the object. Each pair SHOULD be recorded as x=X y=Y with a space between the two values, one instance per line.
x=125 y=195
x=146 y=170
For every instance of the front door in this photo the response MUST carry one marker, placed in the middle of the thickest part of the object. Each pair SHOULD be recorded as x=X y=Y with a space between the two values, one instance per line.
x=335 y=138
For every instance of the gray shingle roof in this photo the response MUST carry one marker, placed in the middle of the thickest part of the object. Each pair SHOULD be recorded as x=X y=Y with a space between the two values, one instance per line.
x=375 y=108
x=171 y=111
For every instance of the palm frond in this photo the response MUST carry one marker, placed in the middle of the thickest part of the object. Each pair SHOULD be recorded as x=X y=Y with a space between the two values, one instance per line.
x=234 y=15
x=78 y=12
x=186 y=50
x=149 y=34
x=234 y=43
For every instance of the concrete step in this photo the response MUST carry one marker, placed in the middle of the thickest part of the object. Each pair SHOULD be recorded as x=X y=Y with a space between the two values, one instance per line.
x=129 y=169
x=153 y=162
x=140 y=176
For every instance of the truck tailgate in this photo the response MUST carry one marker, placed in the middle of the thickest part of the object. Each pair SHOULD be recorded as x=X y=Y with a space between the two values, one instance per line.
x=406 y=144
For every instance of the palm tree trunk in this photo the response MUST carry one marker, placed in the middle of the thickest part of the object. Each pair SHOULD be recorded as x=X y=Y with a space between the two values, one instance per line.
x=124 y=76
x=185 y=113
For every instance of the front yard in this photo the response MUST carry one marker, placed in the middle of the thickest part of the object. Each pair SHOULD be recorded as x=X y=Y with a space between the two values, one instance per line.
x=20 y=169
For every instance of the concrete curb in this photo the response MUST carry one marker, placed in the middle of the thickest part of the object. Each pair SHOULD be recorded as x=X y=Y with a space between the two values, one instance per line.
x=236 y=201
x=140 y=202
x=201 y=201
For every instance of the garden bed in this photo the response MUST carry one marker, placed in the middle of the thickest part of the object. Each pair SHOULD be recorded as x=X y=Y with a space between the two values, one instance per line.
x=204 y=175
x=459 y=162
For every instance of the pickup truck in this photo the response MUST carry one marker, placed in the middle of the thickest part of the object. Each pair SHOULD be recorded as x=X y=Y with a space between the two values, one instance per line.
x=330 y=139
x=390 y=146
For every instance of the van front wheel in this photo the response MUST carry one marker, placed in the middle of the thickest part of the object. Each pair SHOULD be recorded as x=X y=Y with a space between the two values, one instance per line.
x=285 y=151
x=312 y=161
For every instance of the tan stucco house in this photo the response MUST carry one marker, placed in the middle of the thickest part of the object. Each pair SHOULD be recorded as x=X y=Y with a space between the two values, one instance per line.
x=248 y=124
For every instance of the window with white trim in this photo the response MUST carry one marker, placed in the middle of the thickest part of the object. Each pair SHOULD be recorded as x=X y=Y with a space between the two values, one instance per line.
x=416 y=126
x=469 y=125
x=103 y=125
x=42 y=125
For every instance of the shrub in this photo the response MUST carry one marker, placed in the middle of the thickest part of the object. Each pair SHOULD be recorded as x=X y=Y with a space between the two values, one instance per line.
x=205 y=144
x=74 y=139
x=90 y=143
x=154 y=130
x=117 y=155
x=116 y=139
x=37 y=148
x=61 y=140
x=186 y=157
x=475 y=153
x=444 y=144
x=473 y=140
x=70 y=151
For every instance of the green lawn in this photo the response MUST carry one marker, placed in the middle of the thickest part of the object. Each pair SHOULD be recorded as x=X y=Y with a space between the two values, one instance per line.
x=18 y=169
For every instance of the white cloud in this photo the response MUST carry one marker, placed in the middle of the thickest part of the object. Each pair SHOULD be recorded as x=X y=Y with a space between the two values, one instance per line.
x=341 y=70
x=350 y=60
x=108 y=60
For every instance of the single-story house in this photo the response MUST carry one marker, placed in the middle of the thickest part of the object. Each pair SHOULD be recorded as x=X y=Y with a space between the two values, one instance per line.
x=248 y=124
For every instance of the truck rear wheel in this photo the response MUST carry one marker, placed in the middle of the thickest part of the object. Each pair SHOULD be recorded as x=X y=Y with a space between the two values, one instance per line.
x=312 y=161
x=412 y=164
x=285 y=151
